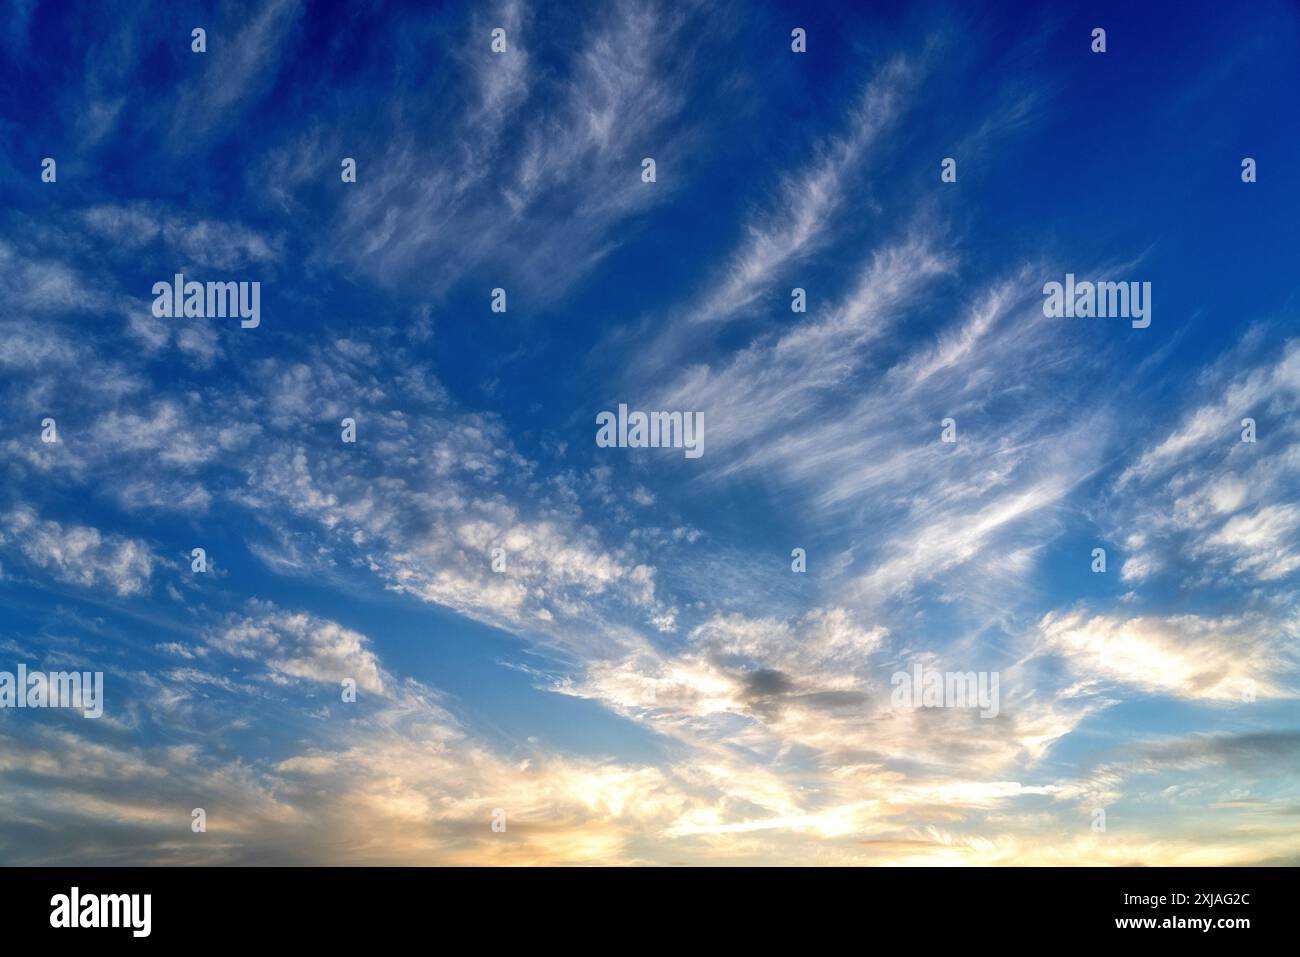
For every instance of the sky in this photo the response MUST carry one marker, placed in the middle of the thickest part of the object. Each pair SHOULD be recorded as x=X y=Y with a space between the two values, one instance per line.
x=567 y=653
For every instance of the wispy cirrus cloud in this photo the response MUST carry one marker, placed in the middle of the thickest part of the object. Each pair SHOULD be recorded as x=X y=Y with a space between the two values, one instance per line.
x=798 y=221
x=548 y=165
x=1203 y=492
x=731 y=709
x=244 y=50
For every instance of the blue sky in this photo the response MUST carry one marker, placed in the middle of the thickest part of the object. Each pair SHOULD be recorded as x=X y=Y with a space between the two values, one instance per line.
x=647 y=680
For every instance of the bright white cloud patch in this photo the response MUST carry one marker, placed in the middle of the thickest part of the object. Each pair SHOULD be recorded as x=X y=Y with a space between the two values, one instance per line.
x=77 y=554
x=302 y=646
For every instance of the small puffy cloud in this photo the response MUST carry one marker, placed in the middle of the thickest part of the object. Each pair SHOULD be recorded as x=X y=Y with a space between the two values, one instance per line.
x=302 y=646
x=79 y=554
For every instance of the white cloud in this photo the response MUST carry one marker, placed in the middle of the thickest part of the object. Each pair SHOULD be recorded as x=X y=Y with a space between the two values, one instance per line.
x=78 y=554
x=302 y=646
x=1185 y=656
x=1205 y=504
